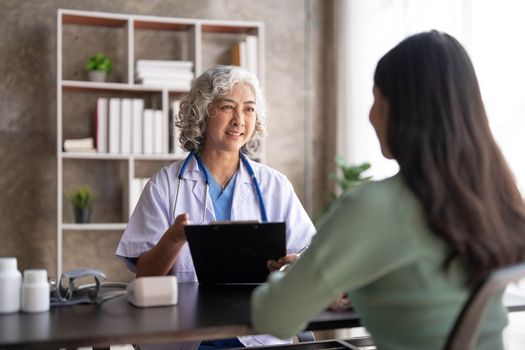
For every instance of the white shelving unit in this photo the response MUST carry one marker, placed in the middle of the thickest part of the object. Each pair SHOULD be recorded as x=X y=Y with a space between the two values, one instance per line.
x=197 y=33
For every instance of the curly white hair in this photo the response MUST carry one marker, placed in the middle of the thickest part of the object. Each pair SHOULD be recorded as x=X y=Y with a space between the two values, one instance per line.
x=211 y=85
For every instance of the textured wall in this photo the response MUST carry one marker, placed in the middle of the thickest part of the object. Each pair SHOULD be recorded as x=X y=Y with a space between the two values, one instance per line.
x=28 y=114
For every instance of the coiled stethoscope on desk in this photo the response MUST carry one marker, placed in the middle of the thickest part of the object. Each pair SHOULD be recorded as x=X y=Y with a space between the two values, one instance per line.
x=200 y=164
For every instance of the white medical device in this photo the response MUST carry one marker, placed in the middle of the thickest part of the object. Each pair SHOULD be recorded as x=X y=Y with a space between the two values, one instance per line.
x=153 y=291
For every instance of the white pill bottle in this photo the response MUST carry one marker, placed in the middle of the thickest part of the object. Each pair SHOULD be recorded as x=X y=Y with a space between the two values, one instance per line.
x=35 y=291
x=10 y=284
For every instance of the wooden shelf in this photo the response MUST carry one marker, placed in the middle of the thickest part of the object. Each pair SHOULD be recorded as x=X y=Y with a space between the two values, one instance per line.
x=121 y=156
x=86 y=86
x=94 y=227
x=94 y=20
x=164 y=25
x=239 y=27
x=130 y=40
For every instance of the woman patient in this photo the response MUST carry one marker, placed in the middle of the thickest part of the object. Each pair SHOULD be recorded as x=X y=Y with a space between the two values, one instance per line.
x=408 y=248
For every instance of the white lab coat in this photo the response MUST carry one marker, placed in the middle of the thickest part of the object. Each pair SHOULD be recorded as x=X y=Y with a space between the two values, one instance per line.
x=156 y=211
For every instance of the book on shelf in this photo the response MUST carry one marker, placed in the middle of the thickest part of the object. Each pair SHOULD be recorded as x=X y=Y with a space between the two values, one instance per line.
x=114 y=125
x=86 y=145
x=125 y=125
x=251 y=54
x=244 y=54
x=239 y=54
x=165 y=126
x=141 y=64
x=173 y=84
x=101 y=125
x=160 y=73
x=148 y=128
x=158 y=132
x=132 y=129
x=137 y=110
x=165 y=73
x=171 y=74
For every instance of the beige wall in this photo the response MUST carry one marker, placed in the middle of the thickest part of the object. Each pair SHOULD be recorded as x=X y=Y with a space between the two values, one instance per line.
x=28 y=114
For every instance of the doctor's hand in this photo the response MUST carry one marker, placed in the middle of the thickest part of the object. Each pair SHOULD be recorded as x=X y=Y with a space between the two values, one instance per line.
x=341 y=303
x=176 y=231
x=274 y=265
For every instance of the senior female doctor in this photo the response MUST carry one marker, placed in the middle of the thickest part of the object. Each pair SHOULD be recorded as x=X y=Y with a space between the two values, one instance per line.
x=221 y=121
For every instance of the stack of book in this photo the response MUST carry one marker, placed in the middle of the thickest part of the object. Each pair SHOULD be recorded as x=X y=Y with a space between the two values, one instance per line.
x=124 y=125
x=171 y=74
x=79 y=145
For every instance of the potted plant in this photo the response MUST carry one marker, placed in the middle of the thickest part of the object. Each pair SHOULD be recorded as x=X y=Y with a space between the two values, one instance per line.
x=82 y=200
x=98 y=67
x=346 y=177
x=352 y=175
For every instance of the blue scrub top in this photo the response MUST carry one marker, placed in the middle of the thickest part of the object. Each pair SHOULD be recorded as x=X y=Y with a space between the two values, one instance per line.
x=221 y=199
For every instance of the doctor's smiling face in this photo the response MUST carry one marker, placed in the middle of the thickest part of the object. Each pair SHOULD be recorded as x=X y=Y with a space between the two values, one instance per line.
x=231 y=120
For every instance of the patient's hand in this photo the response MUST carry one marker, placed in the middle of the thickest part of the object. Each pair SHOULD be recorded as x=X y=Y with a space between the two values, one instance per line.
x=341 y=303
x=274 y=265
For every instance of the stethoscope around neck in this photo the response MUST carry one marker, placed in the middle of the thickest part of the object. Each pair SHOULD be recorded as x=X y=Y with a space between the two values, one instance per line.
x=200 y=164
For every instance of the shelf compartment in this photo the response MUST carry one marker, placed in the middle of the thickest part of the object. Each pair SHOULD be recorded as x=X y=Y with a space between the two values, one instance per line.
x=79 y=42
x=109 y=181
x=217 y=47
x=165 y=45
x=79 y=110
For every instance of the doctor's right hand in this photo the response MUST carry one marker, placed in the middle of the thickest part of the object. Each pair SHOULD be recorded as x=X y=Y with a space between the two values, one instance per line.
x=276 y=265
x=176 y=231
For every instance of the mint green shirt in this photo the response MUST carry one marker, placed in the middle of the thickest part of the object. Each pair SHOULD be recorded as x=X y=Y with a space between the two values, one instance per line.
x=375 y=245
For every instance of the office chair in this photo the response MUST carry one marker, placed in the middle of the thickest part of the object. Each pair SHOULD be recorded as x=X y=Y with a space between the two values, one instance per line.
x=465 y=332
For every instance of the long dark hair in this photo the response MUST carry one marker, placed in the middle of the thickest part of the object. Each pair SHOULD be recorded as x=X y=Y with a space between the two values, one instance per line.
x=439 y=134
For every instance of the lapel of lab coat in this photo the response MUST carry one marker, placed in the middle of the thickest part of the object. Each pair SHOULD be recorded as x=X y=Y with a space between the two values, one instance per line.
x=199 y=190
x=243 y=190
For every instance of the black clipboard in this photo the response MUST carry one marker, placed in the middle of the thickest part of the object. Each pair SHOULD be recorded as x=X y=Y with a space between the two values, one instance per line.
x=235 y=253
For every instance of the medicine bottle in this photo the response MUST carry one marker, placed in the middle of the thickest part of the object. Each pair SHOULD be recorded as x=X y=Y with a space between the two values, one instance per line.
x=10 y=280
x=35 y=291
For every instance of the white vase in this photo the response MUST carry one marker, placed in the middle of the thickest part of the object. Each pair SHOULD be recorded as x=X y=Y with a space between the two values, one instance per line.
x=97 y=75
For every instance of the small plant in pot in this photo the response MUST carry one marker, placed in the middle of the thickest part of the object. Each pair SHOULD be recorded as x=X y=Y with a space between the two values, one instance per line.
x=82 y=200
x=98 y=67
x=352 y=175
x=347 y=176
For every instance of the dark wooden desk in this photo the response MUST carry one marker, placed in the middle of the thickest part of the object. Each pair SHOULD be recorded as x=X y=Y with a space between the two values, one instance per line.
x=201 y=313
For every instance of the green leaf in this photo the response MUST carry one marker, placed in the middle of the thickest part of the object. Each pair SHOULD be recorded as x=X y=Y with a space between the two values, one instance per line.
x=352 y=175
x=81 y=197
x=99 y=62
